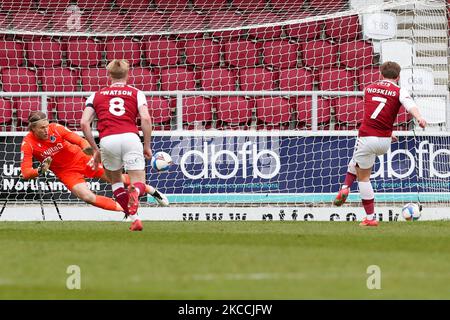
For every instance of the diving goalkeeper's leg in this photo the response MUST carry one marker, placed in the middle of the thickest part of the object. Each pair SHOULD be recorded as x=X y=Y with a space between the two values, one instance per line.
x=157 y=195
x=81 y=191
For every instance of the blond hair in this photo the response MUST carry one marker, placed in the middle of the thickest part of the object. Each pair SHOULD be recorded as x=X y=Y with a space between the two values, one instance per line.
x=34 y=117
x=118 y=69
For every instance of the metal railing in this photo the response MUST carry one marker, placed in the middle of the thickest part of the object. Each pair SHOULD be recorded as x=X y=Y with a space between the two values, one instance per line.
x=180 y=94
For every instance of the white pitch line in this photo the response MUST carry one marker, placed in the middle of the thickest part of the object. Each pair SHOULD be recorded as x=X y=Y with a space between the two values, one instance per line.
x=247 y=276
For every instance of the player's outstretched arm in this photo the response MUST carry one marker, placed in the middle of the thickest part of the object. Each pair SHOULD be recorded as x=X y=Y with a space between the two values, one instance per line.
x=146 y=125
x=414 y=111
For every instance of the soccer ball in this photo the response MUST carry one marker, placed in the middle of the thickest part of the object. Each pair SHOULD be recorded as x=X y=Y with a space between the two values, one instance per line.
x=161 y=161
x=411 y=212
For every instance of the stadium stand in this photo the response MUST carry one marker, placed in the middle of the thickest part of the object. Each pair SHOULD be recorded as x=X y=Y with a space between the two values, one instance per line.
x=44 y=53
x=58 y=79
x=19 y=80
x=69 y=111
x=177 y=78
x=160 y=111
x=256 y=79
x=6 y=112
x=11 y=53
x=233 y=112
x=23 y=107
x=84 y=53
x=304 y=117
x=202 y=52
x=162 y=52
x=241 y=53
x=349 y=112
x=121 y=48
x=143 y=79
x=218 y=79
x=273 y=113
x=197 y=113
x=280 y=54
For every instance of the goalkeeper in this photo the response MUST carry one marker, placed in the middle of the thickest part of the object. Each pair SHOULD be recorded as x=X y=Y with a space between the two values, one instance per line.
x=69 y=157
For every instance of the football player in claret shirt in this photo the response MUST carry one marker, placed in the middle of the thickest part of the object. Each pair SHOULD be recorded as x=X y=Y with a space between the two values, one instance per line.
x=117 y=108
x=67 y=155
x=382 y=101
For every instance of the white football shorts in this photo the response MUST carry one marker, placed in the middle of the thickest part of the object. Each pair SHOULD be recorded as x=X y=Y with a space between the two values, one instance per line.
x=368 y=148
x=122 y=150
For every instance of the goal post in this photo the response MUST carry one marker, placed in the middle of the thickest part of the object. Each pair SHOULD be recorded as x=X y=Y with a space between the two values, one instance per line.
x=258 y=102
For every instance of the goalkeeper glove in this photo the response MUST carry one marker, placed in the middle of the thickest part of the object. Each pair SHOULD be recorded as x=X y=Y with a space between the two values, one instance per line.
x=44 y=166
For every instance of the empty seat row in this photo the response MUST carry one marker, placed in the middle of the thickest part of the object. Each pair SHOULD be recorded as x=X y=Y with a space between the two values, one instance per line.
x=199 y=112
x=167 y=5
x=182 y=78
x=202 y=53
x=339 y=29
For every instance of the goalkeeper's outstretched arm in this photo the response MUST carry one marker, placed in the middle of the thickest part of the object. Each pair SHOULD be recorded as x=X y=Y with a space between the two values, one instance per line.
x=28 y=172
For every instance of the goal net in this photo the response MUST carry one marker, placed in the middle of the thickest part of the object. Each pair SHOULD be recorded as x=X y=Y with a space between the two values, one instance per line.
x=258 y=101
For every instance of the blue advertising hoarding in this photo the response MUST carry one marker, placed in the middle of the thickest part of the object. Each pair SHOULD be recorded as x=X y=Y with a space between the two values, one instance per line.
x=296 y=169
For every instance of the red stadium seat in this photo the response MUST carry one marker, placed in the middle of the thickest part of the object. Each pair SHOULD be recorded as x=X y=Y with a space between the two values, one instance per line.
x=202 y=52
x=160 y=111
x=133 y=4
x=147 y=21
x=197 y=113
x=54 y=4
x=94 y=79
x=12 y=5
x=44 y=53
x=162 y=52
x=304 y=31
x=226 y=19
x=208 y=5
x=287 y=5
x=303 y=107
x=185 y=20
x=24 y=107
x=356 y=54
x=242 y=53
x=256 y=79
x=4 y=21
x=11 y=53
x=58 y=79
x=218 y=79
x=326 y=6
x=335 y=79
x=84 y=53
x=368 y=76
x=19 y=80
x=233 y=112
x=245 y=5
x=108 y=21
x=273 y=113
x=349 y=112
x=5 y=113
x=264 y=33
x=60 y=18
x=319 y=54
x=280 y=54
x=177 y=78
x=296 y=80
x=94 y=4
x=342 y=28
x=69 y=111
x=124 y=49
x=29 y=20
x=169 y=5
x=143 y=79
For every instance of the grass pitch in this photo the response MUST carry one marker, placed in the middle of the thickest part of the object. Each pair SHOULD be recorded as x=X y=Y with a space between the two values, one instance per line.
x=225 y=260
